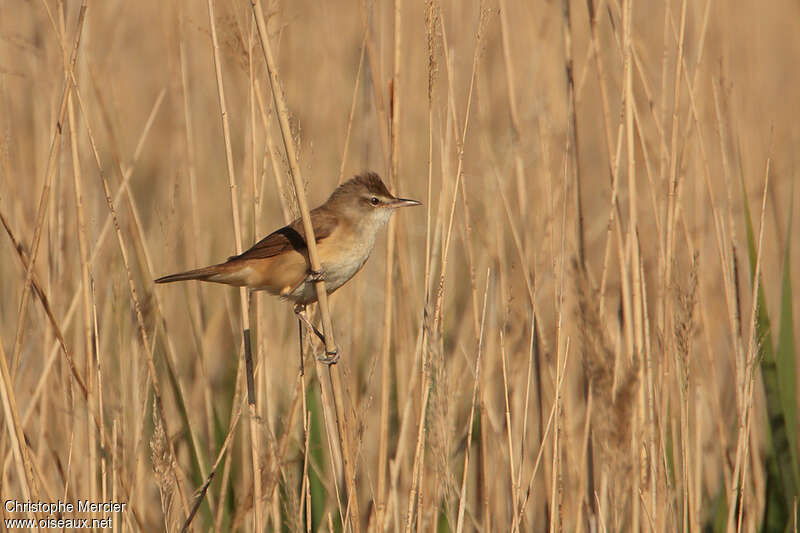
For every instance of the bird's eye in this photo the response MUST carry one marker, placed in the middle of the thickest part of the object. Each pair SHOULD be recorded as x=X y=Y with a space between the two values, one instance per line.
x=374 y=200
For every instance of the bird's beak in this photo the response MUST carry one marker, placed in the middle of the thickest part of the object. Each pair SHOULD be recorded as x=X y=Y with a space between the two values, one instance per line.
x=403 y=202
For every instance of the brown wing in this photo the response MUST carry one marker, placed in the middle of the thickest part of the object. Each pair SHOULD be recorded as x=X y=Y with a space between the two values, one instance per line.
x=292 y=237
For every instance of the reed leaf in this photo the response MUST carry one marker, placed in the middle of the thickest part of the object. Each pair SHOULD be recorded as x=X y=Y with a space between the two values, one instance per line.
x=777 y=373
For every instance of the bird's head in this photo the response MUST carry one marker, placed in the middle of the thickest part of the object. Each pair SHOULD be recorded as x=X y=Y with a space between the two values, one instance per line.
x=365 y=199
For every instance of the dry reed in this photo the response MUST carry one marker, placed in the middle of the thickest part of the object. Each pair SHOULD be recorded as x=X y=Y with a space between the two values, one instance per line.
x=564 y=338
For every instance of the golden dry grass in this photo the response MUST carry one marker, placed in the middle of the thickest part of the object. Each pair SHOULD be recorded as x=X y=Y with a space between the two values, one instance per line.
x=545 y=346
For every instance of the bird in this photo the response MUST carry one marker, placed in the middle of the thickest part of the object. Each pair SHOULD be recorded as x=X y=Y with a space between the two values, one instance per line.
x=345 y=230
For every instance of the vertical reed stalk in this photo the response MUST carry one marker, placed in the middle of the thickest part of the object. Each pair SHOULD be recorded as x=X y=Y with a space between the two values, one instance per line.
x=243 y=295
x=386 y=344
x=45 y=196
x=335 y=397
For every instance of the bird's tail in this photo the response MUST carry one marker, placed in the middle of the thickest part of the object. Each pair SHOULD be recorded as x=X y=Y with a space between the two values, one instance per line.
x=210 y=273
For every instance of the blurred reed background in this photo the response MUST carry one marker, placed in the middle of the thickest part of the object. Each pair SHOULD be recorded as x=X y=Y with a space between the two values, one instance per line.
x=564 y=338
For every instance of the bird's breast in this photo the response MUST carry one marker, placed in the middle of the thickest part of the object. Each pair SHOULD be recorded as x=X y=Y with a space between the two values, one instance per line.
x=344 y=256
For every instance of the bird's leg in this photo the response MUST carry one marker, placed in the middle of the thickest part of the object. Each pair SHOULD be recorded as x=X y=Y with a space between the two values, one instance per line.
x=331 y=357
x=302 y=339
x=300 y=311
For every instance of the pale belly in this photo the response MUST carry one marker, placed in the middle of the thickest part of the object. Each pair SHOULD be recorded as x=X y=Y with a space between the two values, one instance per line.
x=342 y=264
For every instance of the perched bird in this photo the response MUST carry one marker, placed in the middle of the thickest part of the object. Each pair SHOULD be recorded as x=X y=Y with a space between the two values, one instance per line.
x=345 y=227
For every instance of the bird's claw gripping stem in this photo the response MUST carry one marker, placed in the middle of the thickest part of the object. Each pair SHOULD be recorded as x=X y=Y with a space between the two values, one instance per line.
x=331 y=357
x=315 y=275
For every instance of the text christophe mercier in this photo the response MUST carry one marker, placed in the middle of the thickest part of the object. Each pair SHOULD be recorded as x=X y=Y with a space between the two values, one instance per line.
x=83 y=506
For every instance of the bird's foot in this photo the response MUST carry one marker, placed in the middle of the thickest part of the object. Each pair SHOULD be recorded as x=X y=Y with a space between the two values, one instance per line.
x=315 y=275
x=312 y=276
x=331 y=357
